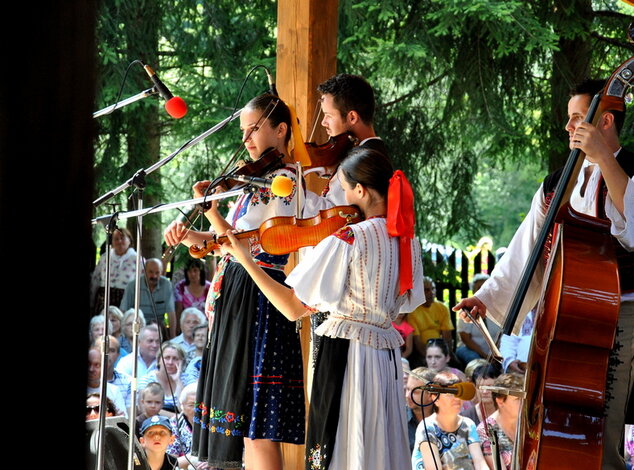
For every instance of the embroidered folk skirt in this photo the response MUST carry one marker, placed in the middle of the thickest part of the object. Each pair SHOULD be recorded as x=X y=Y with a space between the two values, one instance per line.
x=357 y=413
x=251 y=381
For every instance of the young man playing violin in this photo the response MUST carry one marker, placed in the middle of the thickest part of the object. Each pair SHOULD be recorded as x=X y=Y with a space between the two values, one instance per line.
x=605 y=189
x=347 y=103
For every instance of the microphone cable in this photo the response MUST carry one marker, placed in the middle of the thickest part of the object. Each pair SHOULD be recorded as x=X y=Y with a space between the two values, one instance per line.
x=422 y=389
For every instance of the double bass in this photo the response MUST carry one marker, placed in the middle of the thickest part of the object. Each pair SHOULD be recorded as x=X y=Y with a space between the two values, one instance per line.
x=561 y=423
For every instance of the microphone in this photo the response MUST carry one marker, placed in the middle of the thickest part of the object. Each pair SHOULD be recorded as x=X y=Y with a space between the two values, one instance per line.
x=281 y=186
x=462 y=390
x=174 y=105
x=272 y=87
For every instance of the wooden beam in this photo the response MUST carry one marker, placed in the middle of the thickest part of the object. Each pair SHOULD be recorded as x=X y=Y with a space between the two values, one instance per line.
x=306 y=56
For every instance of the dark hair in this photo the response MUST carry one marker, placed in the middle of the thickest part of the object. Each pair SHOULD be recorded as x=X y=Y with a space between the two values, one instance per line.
x=438 y=343
x=195 y=263
x=350 y=93
x=590 y=88
x=110 y=406
x=488 y=371
x=368 y=167
x=510 y=381
x=274 y=109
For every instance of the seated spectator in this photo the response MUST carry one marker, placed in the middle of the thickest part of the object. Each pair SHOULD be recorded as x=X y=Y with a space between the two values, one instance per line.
x=503 y=422
x=156 y=296
x=121 y=380
x=446 y=439
x=472 y=344
x=148 y=346
x=472 y=366
x=94 y=381
x=201 y=333
x=407 y=333
x=151 y=400
x=96 y=327
x=116 y=317
x=515 y=348
x=156 y=436
x=483 y=404
x=192 y=290
x=190 y=318
x=122 y=271
x=430 y=320
x=438 y=356
x=93 y=404
x=183 y=426
x=418 y=401
x=125 y=340
x=168 y=373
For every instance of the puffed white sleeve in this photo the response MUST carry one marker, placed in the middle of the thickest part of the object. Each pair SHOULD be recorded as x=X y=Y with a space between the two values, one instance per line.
x=320 y=279
x=623 y=224
x=497 y=291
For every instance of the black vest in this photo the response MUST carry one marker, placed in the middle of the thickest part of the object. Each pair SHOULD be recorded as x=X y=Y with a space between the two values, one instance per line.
x=625 y=259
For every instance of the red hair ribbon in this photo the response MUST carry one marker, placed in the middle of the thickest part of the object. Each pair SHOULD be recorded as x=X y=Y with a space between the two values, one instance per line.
x=400 y=223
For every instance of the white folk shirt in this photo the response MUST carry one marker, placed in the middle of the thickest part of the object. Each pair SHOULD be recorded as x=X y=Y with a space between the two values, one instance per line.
x=354 y=275
x=496 y=293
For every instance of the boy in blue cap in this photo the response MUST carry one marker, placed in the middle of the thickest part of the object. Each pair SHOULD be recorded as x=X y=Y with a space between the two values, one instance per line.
x=156 y=435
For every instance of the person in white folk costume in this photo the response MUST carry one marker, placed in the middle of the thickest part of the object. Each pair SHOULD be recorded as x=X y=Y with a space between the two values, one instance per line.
x=364 y=275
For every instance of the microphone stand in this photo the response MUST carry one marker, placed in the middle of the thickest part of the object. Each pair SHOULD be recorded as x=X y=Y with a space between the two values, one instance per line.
x=139 y=213
x=138 y=180
x=127 y=101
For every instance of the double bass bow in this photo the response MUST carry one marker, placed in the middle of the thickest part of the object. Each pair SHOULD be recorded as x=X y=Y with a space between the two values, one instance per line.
x=561 y=422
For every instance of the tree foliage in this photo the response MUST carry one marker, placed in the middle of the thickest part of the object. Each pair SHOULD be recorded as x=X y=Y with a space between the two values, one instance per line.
x=468 y=92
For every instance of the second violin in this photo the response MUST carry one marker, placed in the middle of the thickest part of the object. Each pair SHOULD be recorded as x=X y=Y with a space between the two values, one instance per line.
x=284 y=235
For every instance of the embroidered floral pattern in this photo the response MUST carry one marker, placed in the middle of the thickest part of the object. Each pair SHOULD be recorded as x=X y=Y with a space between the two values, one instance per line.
x=265 y=195
x=346 y=234
x=214 y=291
x=317 y=458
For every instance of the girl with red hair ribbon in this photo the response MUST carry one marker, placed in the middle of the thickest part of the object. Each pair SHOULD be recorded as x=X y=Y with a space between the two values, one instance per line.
x=364 y=275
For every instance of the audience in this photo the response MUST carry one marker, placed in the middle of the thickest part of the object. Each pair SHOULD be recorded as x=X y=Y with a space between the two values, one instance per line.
x=127 y=331
x=438 y=356
x=97 y=327
x=122 y=271
x=418 y=401
x=168 y=373
x=115 y=377
x=94 y=381
x=156 y=436
x=442 y=428
x=190 y=318
x=192 y=290
x=502 y=424
x=93 y=406
x=407 y=333
x=483 y=404
x=151 y=399
x=430 y=320
x=446 y=439
x=156 y=296
x=148 y=346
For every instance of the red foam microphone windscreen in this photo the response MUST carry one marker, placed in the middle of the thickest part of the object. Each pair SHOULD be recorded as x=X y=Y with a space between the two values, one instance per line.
x=176 y=107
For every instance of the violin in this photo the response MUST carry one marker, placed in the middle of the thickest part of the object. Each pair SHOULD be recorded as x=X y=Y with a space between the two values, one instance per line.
x=283 y=235
x=330 y=153
x=271 y=159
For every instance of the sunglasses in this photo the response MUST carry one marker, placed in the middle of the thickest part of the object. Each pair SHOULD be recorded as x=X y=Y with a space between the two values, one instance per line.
x=92 y=409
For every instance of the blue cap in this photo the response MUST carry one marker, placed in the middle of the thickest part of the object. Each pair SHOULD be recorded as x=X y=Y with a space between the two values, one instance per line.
x=156 y=420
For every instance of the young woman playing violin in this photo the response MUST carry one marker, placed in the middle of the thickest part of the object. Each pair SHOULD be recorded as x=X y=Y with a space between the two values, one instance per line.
x=250 y=393
x=364 y=275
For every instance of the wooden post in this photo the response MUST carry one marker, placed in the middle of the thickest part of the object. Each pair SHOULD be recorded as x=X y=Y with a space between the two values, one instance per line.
x=306 y=56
